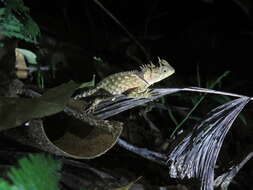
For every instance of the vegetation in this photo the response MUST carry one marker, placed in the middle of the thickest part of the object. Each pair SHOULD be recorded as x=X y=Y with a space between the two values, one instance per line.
x=201 y=133
x=16 y=22
x=35 y=172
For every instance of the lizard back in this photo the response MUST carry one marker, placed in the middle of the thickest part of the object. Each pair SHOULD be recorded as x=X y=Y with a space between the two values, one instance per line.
x=119 y=83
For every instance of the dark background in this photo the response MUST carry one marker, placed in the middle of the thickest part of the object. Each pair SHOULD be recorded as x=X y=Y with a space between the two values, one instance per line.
x=217 y=35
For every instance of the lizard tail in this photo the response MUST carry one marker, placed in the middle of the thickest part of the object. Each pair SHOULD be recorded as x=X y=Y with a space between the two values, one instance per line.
x=86 y=93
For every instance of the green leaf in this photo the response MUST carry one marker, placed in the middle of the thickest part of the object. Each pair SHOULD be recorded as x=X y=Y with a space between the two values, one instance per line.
x=2 y=11
x=11 y=26
x=98 y=59
x=6 y=186
x=88 y=84
x=37 y=172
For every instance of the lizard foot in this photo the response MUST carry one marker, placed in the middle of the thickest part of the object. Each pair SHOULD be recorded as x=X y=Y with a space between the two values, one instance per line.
x=93 y=106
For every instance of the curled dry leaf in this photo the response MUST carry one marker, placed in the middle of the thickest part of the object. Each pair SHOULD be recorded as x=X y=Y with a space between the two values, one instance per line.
x=16 y=111
x=75 y=143
x=79 y=145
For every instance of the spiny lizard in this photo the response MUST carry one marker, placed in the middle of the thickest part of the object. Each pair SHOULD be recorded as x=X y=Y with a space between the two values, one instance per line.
x=133 y=83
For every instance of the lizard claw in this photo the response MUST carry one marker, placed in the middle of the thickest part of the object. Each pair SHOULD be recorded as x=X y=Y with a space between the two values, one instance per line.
x=89 y=110
x=93 y=106
x=153 y=93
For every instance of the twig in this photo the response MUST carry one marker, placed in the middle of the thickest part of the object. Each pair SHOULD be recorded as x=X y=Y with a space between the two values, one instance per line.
x=123 y=28
x=145 y=153
x=225 y=179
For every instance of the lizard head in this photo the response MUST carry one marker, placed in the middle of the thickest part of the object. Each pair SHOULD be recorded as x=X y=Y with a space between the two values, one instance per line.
x=153 y=74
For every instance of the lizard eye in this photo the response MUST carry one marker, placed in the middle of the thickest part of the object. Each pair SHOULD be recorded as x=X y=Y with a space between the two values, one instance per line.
x=164 y=70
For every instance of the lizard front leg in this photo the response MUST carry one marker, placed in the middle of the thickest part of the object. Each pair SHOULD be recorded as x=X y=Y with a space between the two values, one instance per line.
x=94 y=105
x=96 y=102
x=140 y=92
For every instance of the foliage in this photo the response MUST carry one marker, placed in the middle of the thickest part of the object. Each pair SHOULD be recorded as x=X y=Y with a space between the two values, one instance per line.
x=196 y=104
x=33 y=175
x=196 y=155
x=15 y=21
x=88 y=84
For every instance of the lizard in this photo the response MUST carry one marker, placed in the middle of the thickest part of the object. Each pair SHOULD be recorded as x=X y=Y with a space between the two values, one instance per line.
x=135 y=84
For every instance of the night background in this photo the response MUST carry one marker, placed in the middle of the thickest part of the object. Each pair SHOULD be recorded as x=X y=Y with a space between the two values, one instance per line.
x=201 y=39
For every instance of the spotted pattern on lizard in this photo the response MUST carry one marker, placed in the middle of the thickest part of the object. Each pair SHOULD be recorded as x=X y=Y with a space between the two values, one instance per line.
x=133 y=83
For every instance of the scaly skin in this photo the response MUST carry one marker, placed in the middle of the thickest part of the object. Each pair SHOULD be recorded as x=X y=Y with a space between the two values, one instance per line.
x=133 y=83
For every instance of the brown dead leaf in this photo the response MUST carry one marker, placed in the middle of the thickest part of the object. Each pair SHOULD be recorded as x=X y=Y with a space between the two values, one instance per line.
x=15 y=111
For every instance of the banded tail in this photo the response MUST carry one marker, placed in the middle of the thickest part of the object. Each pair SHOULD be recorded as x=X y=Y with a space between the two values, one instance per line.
x=86 y=93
